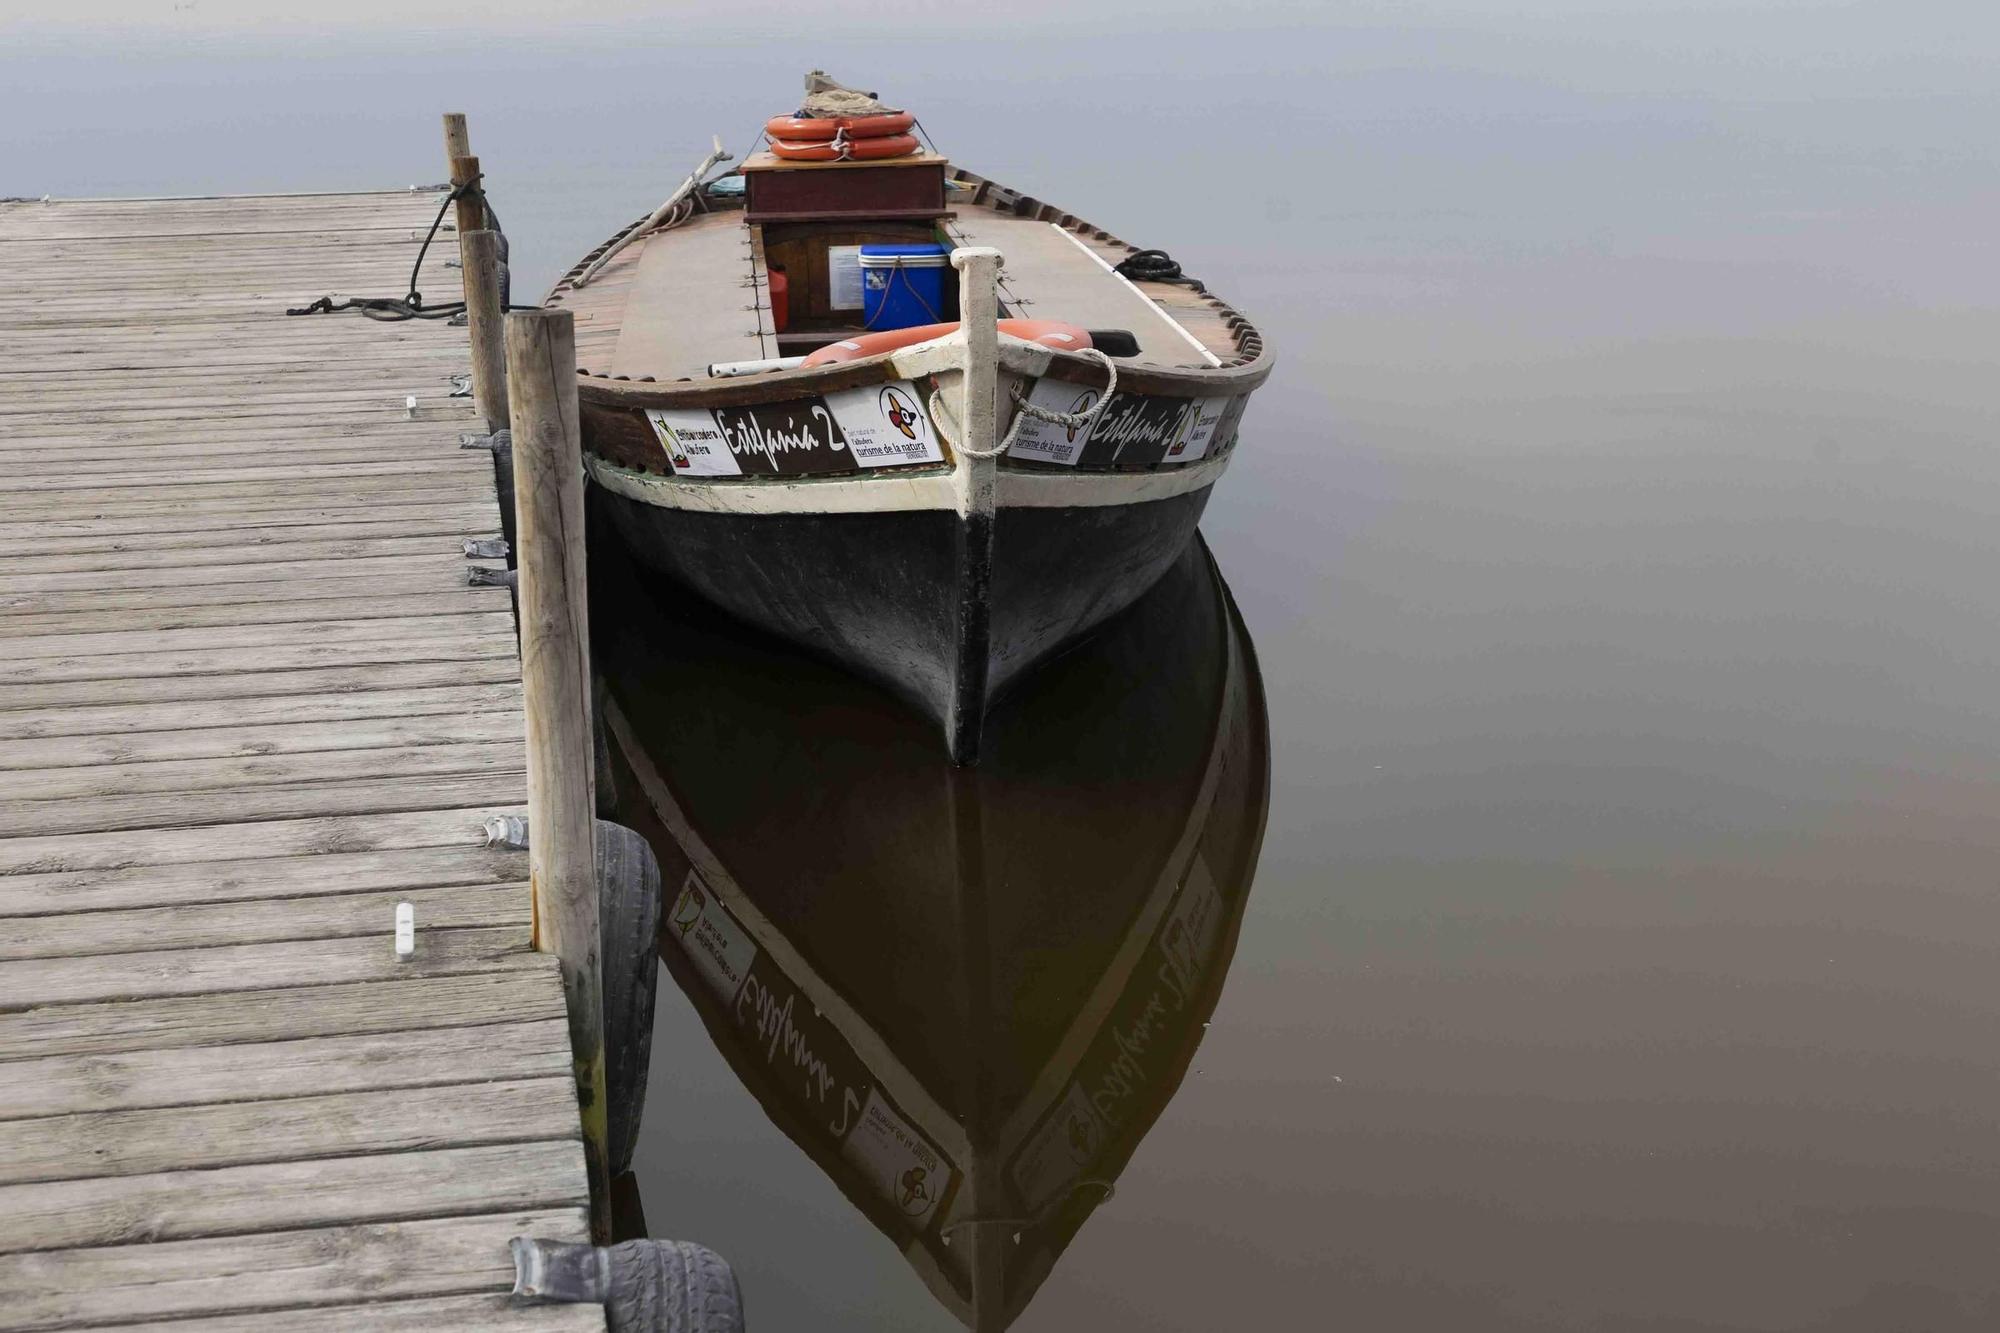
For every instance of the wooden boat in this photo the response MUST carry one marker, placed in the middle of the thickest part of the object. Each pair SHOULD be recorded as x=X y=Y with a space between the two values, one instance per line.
x=851 y=507
x=966 y=994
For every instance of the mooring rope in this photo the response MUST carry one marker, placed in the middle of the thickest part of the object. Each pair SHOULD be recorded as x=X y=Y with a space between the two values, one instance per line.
x=394 y=310
x=1155 y=266
x=1068 y=420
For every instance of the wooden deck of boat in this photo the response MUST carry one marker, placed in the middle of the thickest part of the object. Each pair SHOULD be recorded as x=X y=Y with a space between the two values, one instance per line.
x=249 y=705
x=675 y=301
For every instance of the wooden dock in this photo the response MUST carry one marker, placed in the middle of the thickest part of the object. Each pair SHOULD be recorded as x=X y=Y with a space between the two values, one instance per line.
x=249 y=704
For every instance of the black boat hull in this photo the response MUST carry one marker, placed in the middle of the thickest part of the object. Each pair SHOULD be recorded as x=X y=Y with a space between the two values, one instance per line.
x=894 y=595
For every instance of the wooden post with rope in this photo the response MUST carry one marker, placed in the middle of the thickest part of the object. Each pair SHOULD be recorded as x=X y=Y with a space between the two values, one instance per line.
x=483 y=328
x=480 y=264
x=555 y=681
x=469 y=213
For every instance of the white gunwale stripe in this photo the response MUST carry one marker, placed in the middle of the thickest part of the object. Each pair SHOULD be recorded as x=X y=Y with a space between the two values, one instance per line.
x=913 y=491
x=1151 y=304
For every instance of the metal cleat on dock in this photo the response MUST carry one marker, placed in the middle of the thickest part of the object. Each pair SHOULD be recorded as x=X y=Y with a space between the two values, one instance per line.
x=509 y=832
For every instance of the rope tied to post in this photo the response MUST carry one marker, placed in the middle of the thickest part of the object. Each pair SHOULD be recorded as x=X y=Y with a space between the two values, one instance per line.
x=1070 y=421
x=395 y=310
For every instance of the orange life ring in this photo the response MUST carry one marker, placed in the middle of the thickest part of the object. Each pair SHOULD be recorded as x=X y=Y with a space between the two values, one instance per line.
x=819 y=129
x=1047 y=332
x=851 y=150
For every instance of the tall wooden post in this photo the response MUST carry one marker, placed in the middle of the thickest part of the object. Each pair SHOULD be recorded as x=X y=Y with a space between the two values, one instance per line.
x=483 y=319
x=457 y=143
x=974 y=483
x=555 y=679
x=469 y=213
x=479 y=263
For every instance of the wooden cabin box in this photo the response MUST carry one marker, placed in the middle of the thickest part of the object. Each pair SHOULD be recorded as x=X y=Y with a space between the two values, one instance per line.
x=812 y=212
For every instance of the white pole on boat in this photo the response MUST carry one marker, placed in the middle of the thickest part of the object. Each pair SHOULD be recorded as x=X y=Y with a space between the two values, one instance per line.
x=555 y=687
x=974 y=483
x=978 y=408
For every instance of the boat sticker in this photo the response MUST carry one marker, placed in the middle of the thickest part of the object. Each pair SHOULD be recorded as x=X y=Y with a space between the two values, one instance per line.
x=1194 y=924
x=904 y=1167
x=789 y=438
x=886 y=424
x=1059 y=1151
x=802 y=1050
x=1230 y=426
x=1136 y=431
x=1136 y=1048
x=1203 y=419
x=1045 y=441
x=694 y=444
x=811 y=1065
x=721 y=950
x=843 y=277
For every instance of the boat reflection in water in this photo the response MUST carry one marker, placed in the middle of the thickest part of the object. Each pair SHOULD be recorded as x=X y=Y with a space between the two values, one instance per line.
x=965 y=993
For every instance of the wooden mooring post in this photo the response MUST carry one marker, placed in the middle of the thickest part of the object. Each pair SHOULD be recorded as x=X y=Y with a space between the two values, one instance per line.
x=457 y=142
x=555 y=680
x=484 y=319
x=480 y=262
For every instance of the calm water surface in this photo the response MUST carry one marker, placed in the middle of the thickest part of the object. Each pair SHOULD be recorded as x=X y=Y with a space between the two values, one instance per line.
x=1618 y=537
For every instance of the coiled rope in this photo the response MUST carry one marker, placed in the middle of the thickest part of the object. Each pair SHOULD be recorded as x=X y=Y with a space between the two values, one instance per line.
x=396 y=309
x=1155 y=266
x=1068 y=420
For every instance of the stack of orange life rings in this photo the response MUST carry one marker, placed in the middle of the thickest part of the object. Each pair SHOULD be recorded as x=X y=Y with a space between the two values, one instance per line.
x=842 y=138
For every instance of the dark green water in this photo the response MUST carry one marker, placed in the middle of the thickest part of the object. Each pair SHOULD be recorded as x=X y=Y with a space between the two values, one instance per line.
x=1618 y=538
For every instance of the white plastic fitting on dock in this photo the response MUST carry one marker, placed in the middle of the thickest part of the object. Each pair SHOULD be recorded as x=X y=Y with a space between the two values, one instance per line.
x=410 y=407
x=406 y=931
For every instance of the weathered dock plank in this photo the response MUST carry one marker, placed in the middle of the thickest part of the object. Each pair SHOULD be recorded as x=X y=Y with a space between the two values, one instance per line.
x=250 y=1071
x=214 y=969
x=265 y=921
x=204 y=882
x=93 y=1145
x=232 y=1200
x=509 y=986
x=271 y=1271
x=250 y=704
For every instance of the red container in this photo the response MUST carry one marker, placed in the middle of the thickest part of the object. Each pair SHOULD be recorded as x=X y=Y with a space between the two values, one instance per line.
x=781 y=300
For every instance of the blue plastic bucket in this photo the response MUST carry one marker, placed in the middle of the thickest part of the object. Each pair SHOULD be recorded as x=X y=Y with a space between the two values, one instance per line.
x=902 y=286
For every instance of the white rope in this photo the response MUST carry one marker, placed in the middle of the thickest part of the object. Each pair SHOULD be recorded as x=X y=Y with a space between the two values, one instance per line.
x=1068 y=420
x=840 y=143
